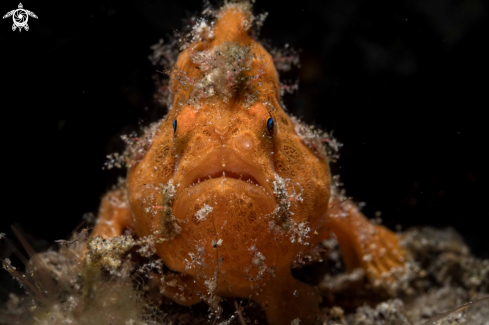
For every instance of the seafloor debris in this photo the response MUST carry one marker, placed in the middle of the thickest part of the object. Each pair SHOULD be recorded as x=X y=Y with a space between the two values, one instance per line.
x=116 y=285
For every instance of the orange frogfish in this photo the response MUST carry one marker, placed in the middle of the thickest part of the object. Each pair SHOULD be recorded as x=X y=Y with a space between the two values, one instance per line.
x=235 y=190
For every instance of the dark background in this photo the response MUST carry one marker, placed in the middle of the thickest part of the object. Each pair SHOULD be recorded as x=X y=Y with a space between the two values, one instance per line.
x=403 y=84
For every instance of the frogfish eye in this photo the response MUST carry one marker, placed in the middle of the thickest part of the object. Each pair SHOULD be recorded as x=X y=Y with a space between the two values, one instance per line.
x=270 y=125
x=174 y=125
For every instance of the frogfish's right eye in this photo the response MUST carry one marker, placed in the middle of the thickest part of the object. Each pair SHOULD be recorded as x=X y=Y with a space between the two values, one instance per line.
x=175 y=125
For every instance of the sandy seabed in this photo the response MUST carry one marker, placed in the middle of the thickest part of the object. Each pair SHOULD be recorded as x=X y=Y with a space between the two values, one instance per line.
x=442 y=280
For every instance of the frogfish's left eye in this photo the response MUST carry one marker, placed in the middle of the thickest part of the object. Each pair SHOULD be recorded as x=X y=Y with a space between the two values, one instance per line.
x=270 y=125
x=175 y=125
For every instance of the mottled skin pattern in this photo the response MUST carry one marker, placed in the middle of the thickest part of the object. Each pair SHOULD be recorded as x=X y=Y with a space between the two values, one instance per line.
x=246 y=245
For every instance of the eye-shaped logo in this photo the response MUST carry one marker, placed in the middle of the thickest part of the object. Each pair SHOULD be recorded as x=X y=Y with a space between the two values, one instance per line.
x=20 y=17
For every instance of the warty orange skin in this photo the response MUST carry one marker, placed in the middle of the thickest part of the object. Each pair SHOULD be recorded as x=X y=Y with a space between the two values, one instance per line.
x=234 y=201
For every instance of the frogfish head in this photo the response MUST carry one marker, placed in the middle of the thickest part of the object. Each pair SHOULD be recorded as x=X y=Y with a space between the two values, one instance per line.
x=227 y=174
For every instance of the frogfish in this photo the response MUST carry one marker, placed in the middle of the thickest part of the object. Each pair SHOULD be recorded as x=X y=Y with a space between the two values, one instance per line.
x=235 y=190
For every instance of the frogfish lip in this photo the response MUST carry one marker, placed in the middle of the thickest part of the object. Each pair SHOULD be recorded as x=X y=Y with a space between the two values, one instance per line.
x=230 y=169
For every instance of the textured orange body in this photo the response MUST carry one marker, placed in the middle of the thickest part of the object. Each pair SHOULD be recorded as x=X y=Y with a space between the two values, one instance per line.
x=236 y=200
